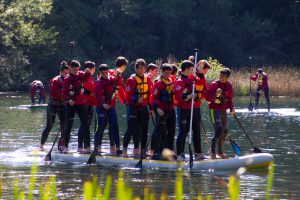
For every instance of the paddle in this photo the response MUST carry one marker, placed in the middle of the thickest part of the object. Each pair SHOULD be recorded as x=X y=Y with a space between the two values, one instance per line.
x=250 y=107
x=235 y=147
x=92 y=158
x=205 y=134
x=140 y=163
x=256 y=150
x=48 y=156
x=192 y=109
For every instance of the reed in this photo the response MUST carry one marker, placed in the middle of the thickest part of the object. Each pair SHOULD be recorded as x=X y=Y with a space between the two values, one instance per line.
x=283 y=80
x=92 y=190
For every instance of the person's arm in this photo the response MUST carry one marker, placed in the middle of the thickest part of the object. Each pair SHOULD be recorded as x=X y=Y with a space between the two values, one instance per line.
x=211 y=92
x=254 y=77
x=99 y=93
x=32 y=93
x=264 y=83
x=230 y=99
x=130 y=85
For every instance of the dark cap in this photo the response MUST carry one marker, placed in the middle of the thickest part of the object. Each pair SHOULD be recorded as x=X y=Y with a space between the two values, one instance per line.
x=103 y=67
x=186 y=64
x=74 y=63
x=166 y=66
x=151 y=66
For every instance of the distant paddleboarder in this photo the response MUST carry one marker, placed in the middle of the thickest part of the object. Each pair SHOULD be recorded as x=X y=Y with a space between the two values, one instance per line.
x=37 y=89
x=262 y=86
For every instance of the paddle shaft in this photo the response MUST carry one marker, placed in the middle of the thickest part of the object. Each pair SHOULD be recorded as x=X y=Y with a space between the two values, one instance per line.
x=49 y=154
x=240 y=125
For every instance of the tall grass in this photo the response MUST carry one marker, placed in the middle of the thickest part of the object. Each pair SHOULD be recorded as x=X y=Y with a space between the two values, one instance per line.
x=92 y=190
x=283 y=80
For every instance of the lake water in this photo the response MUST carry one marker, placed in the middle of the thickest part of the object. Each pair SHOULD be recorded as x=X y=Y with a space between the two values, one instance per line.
x=20 y=132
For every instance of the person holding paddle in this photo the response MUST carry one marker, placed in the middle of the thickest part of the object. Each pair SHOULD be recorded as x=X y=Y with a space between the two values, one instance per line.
x=88 y=85
x=138 y=93
x=163 y=102
x=107 y=89
x=219 y=97
x=75 y=103
x=262 y=86
x=183 y=89
x=56 y=104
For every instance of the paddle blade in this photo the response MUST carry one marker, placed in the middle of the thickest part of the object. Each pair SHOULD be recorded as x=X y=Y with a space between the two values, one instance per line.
x=235 y=147
x=48 y=157
x=191 y=156
x=257 y=150
x=92 y=159
x=250 y=107
x=139 y=164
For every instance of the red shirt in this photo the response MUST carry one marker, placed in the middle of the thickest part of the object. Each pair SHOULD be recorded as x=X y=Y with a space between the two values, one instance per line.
x=132 y=93
x=183 y=86
x=89 y=91
x=121 y=92
x=56 y=88
x=227 y=95
x=37 y=86
x=106 y=90
x=73 y=87
x=162 y=96
x=263 y=82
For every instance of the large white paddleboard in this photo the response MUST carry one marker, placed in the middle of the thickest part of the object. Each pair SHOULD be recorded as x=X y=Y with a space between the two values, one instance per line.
x=33 y=106
x=280 y=111
x=249 y=161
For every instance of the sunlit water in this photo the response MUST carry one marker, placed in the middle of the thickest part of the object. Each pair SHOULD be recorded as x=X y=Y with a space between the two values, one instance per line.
x=20 y=132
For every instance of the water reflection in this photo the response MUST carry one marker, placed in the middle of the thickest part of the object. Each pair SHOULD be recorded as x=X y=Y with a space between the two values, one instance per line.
x=20 y=132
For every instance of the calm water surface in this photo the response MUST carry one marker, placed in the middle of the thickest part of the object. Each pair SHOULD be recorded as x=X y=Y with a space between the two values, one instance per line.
x=20 y=132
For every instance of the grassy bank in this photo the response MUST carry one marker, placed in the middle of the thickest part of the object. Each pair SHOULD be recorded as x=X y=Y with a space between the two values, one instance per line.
x=283 y=81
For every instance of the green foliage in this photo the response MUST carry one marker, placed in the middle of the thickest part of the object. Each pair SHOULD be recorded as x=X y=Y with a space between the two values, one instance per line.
x=214 y=72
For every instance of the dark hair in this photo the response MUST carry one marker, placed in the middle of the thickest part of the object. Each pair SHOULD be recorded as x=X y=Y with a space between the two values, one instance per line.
x=186 y=64
x=120 y=61
x=166 y=66
x=74 y=63
x=151 y=66
x=89 y=64
x=140 y=62
x=103 y=67
x=63 y=66
x=225 y=71
x=206 y=64
x=260 y=70
x=174 y=69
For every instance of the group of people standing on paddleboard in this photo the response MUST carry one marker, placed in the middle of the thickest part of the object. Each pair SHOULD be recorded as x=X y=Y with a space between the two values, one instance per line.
x=148 y=97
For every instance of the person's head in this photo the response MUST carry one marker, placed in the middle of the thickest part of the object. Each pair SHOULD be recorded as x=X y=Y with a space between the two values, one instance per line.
x=74 y=67
x=224 y=75
x=260 y=70
x=203 y=66
x=166 y=70
x=121 y=63
x=140 y=66
x=152 y=69
x=174 y=69
x=90 y=65
x=187 y=67
x=103 y=70
x=64 y=69
x=191 y=58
